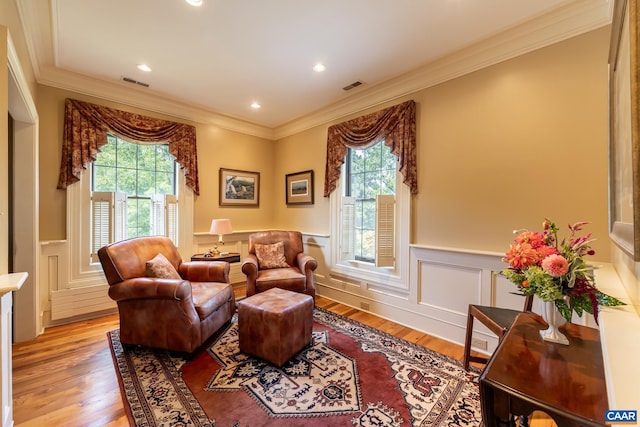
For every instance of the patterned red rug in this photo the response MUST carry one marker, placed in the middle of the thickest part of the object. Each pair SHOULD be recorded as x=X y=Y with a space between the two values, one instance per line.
x=351 y=375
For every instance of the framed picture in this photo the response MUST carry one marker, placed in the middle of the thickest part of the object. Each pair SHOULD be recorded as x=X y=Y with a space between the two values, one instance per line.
x=239 y=188
x=624 y=128
x=299 y=188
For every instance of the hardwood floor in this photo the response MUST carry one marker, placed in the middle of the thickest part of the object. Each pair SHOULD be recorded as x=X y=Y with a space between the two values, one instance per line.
x=66 y=376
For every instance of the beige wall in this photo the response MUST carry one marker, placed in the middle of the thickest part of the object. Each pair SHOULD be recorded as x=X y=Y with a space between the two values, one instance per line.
x=498 y=149
x=301 y=152
x=216 y=148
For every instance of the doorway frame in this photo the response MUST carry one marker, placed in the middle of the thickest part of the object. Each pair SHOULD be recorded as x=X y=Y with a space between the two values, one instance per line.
x=27 y=317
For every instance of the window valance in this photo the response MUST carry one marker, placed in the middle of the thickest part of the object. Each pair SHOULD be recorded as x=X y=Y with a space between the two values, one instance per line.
x=396 y=126
x=85 y=131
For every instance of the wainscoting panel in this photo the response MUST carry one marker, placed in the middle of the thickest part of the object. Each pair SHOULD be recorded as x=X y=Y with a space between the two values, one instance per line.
x=460 y=281
x=80 y=301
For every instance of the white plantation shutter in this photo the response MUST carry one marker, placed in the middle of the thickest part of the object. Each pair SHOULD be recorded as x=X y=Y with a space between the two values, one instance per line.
x=108 y=220
x=348 y=228
x=119 y=216
x=385 y=230
x=157 y=215
x=164 y=216
x=171 y=218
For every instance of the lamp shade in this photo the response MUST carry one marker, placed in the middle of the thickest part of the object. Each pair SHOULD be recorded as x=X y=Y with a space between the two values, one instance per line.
x=220 y=226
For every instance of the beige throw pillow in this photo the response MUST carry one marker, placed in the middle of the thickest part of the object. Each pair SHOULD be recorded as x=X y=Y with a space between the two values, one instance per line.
x=162 y=268
x=271 y=256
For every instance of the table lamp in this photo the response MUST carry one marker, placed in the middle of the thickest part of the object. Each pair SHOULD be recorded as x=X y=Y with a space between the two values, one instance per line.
x=219 y=227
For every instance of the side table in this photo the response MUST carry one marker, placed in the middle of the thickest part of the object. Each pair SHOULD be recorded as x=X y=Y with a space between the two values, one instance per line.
x=230 y=257
x=526 y=373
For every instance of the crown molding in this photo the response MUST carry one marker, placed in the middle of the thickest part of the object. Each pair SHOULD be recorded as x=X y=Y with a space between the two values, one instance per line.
x=131 y=95
x=569 y=21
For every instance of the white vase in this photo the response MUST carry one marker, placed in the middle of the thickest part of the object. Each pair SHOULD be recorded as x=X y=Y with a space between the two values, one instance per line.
x=552 y=316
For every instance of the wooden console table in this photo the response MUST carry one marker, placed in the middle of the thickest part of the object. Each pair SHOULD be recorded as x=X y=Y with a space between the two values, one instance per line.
x=526 y=374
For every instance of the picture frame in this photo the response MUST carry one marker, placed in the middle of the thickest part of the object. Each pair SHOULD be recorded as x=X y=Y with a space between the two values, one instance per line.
x=239 y=188
x=624 y=129
x=299 y=188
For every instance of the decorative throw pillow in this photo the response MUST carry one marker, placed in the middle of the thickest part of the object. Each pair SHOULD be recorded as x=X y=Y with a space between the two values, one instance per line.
x=271 y=256
x=162 y=268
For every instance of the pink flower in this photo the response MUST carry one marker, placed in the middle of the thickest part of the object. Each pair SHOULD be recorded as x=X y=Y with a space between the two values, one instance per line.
x=555 y=265
x=521 y=255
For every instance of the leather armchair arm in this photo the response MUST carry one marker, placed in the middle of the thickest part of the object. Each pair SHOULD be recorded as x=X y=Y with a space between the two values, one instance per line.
x=205 y=271
x=250 y=269
x=306 y=263
x=150 y=288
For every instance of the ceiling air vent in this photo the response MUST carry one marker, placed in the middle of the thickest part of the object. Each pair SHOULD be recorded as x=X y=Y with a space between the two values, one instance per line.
x=130 y=80
x=352 y=85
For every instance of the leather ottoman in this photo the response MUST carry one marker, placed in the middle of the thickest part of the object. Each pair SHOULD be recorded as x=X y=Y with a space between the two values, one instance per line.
x=275 y=325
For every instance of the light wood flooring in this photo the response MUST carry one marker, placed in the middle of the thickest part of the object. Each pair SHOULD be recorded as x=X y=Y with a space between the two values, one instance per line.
x=66 y=376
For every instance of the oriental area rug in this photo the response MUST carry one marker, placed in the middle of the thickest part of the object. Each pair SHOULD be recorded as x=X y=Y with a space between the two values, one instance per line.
x=351 y=375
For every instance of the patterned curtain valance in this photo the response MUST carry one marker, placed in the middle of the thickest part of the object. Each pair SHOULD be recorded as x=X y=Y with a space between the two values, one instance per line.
x=85 y=132
x=396 y=126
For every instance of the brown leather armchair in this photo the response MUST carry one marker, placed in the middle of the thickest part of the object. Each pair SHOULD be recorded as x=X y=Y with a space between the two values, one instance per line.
x=296 y=275
x=177 y=313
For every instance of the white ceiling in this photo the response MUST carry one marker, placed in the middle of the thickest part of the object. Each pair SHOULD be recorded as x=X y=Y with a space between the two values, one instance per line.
x=224 y=55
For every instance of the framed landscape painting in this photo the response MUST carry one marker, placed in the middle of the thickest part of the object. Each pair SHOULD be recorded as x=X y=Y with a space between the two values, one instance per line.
x=299 y=188
x=239 y=188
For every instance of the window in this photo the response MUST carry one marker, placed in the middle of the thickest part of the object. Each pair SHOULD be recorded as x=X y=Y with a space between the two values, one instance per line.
x=133 y=192
x=370 y=217
x=369 y=173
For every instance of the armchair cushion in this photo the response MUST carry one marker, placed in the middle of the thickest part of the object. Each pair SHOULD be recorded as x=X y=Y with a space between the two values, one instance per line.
x=160 y=267
x=208 y=297
x=271 y=256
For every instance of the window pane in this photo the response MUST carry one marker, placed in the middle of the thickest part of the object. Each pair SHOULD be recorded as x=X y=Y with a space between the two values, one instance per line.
x=369 y=215
x=127 y=181
x=139 y=217
x=104 y=178
x=139 y=170
x=390 y=161
x=144 y=216
x=368 y=245
x=372 y=188
x=357 y=185
x=357 y=161
x=388 y=185
x=146 y=157
x=373 y=159
x=371 y=172
x=107 y=155
x=146 y=182
x=165 y=161
x=126 y=154
x=132 y=218
x=164 y=183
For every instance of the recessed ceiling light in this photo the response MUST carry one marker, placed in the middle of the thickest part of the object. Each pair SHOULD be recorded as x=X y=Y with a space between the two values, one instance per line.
x=195 y=2
x=144 y=67
x=318 y=68
x=255 y=105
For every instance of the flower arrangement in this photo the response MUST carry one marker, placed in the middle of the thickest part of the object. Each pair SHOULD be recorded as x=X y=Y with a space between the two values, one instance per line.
x=553 y=270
